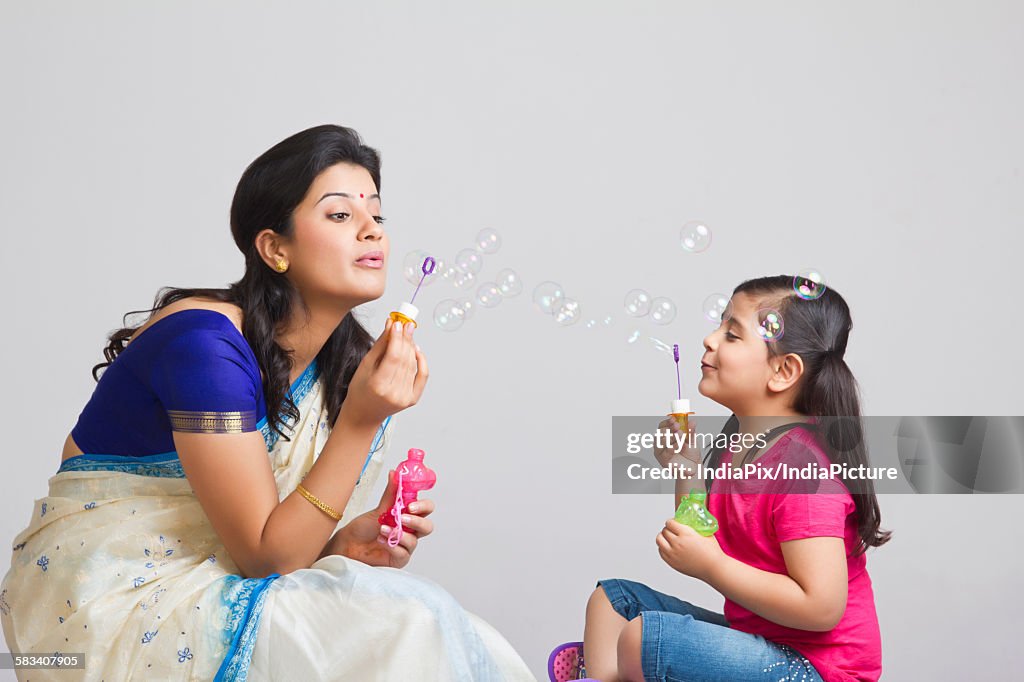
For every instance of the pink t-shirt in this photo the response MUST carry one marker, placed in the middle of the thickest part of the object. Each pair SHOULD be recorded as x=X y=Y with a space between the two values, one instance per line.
x=755 y=516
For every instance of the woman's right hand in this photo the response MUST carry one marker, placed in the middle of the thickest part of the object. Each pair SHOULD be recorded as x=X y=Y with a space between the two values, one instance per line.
x=389 y=379
x=688 y=456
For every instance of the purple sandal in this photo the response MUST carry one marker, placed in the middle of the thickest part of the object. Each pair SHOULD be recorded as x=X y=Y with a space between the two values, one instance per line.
x=566 y=663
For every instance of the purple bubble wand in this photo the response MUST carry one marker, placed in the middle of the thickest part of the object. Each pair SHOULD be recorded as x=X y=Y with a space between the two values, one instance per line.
x=428 y=268
x=679 y=383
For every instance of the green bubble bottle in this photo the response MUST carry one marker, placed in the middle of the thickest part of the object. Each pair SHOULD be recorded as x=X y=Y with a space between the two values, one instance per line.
x=694 y=513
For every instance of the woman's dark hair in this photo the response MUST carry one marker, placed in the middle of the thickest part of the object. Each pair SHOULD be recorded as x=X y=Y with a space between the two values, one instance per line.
x=266 y=196
x=817 y=330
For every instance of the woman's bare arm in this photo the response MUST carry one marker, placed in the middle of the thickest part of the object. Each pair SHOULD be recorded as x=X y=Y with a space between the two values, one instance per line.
x=231 y=476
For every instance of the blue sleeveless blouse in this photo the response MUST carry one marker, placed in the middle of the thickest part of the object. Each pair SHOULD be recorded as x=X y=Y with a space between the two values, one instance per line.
x=191 y=371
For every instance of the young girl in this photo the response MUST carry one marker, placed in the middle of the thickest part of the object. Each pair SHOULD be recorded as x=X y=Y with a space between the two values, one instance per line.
x=790 y=564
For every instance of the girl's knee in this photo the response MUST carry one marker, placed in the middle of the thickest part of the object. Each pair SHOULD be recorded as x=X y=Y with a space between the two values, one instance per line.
x=598 y=599
x=630 y=650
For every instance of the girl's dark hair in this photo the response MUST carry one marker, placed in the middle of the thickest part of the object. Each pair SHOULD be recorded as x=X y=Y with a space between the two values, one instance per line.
x=817 y=330
x=266 y=195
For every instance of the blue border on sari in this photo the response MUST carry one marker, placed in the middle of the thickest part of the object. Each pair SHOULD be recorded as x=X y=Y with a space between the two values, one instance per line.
x=246 y=608
x=161 y=465
x=298 y=392
x=374 y=447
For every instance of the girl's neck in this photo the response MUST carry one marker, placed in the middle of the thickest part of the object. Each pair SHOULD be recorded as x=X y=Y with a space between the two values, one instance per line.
x=760 y=423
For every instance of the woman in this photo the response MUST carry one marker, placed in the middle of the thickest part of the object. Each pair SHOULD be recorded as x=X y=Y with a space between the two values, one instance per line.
x=193 y=528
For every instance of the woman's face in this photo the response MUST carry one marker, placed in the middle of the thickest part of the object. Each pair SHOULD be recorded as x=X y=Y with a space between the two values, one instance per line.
x=339 y=250
x=735 y=368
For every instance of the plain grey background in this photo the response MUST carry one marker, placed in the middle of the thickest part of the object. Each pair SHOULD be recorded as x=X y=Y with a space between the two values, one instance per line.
x=877 y=141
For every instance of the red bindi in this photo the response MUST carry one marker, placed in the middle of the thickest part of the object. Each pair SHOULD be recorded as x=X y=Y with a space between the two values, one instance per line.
x=360 y=196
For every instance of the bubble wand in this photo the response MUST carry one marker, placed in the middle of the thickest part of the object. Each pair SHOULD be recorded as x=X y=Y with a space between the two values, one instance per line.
x=407 y=312
x=679 y=383
x=680 y=406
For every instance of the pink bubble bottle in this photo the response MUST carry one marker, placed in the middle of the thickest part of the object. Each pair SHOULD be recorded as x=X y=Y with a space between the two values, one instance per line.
x=413 y=476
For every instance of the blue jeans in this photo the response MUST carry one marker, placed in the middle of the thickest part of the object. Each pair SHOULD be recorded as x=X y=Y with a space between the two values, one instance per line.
x=685 y=643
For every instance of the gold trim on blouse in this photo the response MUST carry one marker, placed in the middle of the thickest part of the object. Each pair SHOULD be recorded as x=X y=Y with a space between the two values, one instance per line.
x=188 y=421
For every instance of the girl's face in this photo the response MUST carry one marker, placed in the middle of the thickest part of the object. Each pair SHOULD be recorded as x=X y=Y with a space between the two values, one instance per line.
x=735 y=368
x=339 y=250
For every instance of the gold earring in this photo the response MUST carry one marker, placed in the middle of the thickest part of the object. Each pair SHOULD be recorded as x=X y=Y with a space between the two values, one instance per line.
x=281 y=265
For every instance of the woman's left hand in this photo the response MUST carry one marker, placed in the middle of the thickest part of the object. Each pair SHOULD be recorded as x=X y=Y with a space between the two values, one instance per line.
x=689 y=552
x=366 y=540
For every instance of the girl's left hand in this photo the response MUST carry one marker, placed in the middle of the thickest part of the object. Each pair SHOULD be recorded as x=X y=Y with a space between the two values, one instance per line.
x=689 y=552
x=367 y=541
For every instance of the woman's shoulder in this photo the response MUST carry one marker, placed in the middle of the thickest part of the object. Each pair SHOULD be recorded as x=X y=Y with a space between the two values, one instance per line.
x=223 y=313
x=195 y=332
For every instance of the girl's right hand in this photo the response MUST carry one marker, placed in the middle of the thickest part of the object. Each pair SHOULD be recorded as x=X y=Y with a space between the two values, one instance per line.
x=689 y=456
x=389 y=379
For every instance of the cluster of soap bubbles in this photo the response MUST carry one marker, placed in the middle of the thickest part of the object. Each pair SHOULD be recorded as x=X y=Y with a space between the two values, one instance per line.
x=550 y=299
x=695 y=236
x=809 y=285
x=639 y=303
x=450 y=313
x=463 y=272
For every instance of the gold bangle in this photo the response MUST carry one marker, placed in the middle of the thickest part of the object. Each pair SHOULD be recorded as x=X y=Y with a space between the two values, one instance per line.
x=318 y=503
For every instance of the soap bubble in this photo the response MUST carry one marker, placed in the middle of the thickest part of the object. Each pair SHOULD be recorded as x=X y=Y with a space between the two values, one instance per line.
x=661 y=345
x=608 y=321
x=463 y=279
x=695 y=236
x=568 y=313
x=469 y=261
x=412 y=268
x=509 y=283
x=468 y=307
x=548 y=297
x=663 y=310
x=714 y=307
x=638 y=303
x=439 y=267
x=488 y=241
x=809 y=284
x=446 y=270
x=769 y=324
x=634 y=336
x=488 y=295
x=591 y=324
x=448 y=315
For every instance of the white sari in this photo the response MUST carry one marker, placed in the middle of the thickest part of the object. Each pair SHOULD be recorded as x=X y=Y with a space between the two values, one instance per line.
x=120 y=563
